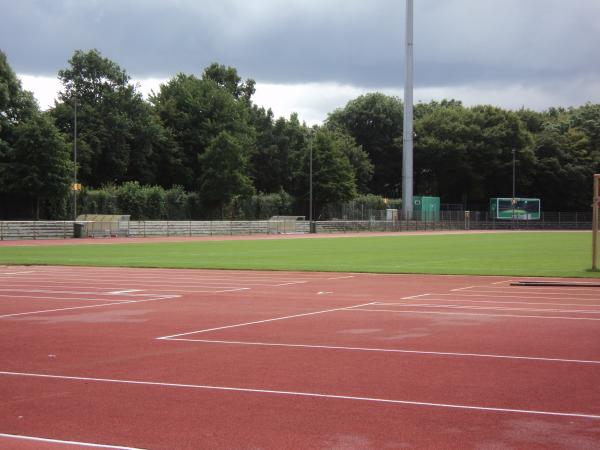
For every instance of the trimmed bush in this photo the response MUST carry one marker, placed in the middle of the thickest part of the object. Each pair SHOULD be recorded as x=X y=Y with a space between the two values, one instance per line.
x=176 y=203
x=130 y=199
x=155 y=203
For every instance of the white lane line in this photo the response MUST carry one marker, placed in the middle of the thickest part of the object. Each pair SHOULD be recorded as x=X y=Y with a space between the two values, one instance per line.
x=501 y=282
x=415 y=296
x=17 y=273
x=463 y=288
x=182 y=291
x=124 y=291
x=500 y=308
x=535 y=288
x=340 y=278
x=49 y=291
x=475 y=314
x=163 y=297
x=161 y=286
x=212 y=285
x=307 y=394
x=233 y=278
x=46 y=297
x=58 y=441
x=226 y=290
x=536 y=297
x=386 y=350
x=504 y=302
x=264 y=321
x=533 y=291
x=63 y=285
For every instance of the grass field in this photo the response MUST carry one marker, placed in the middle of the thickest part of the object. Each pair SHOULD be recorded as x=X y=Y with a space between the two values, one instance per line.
x=525 y=254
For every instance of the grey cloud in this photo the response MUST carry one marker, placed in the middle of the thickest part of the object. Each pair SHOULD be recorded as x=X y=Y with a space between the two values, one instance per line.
x=356 y=42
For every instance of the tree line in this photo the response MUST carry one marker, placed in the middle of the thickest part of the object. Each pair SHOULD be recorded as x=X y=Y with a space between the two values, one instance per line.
x=202 y=137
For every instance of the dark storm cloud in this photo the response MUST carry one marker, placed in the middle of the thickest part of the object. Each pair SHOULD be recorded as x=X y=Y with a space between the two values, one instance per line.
x=358 y=42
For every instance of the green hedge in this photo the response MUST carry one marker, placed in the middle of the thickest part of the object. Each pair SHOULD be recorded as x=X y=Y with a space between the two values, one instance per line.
x=156 y=203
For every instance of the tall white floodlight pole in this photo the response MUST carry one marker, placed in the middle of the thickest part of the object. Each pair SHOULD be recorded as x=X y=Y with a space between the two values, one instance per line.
x=407 y=147
x=75 y=162
x=310 y=177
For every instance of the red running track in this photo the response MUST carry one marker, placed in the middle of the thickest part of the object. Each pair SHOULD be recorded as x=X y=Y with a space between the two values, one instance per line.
x=189 y=359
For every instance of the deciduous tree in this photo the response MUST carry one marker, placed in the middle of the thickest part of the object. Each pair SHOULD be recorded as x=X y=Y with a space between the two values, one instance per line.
x=224 y=174
x=41 y=168
x=375 y=122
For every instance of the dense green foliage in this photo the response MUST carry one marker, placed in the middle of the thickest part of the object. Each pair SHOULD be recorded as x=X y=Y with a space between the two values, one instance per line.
x=224 y=165
x=375 y=122
x=119 y=137
x=516 y=254
x=202 y=140
x=40 y=164
x=144 y=202
x=35 y=166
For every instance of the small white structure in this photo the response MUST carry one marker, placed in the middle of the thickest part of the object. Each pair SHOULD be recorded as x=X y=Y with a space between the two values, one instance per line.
x=391 y=215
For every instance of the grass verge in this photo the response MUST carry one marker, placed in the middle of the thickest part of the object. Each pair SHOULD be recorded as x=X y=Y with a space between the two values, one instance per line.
x=523 y=254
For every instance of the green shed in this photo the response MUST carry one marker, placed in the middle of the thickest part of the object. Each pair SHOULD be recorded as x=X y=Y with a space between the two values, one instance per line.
x=426 y=208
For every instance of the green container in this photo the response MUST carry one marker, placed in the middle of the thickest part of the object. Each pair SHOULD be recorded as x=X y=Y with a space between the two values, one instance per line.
x=426 y=208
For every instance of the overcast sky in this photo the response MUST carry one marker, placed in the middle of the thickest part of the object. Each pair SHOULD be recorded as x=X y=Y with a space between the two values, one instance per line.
x=312 y=56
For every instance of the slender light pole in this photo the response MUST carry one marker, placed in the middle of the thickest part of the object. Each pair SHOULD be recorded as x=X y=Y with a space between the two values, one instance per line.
x=595 y=208
x=75 y=162
x=514 y=200
x=310 y=178
x=407 y=147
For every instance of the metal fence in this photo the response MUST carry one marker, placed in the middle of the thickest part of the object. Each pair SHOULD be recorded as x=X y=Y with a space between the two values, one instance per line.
x=40 y=229
x=447 y=220
x=30 y=230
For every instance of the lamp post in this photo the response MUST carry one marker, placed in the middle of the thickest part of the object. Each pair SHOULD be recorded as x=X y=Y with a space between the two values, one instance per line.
x=514 y=200
x=407 y=133
x=75 y=161
x=595 y=208
x=310 y=181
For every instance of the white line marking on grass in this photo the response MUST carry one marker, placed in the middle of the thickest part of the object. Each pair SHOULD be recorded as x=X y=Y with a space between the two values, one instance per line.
x=307 y=394
x=475 y=314
x=163 y=297
x=58 y=441
x=415 y=296
x=263 y=321
x=386 y=350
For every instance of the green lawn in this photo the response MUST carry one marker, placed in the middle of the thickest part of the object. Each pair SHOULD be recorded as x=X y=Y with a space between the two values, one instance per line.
x=534 y=254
